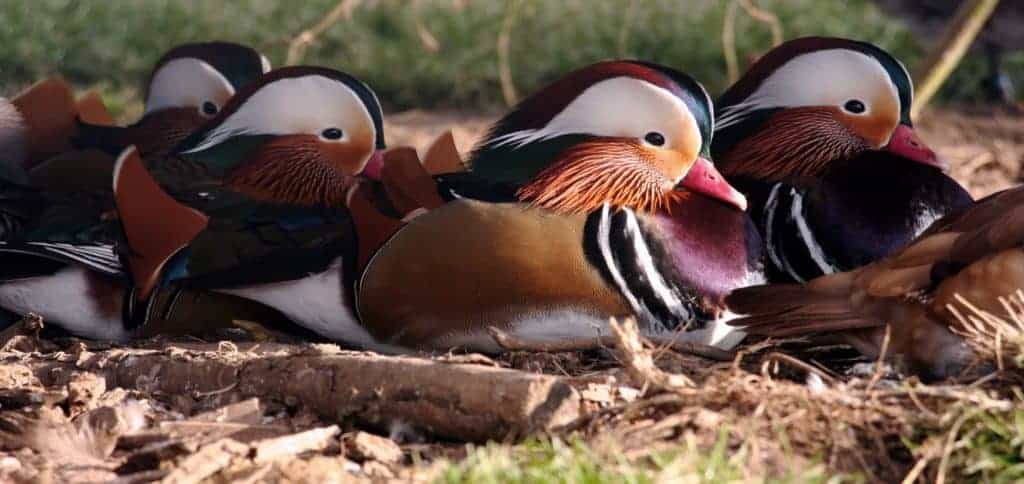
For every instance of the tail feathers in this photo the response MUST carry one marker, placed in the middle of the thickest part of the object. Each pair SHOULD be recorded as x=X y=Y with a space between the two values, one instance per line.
x=771 y=298
x=156 y=226
x=779 y=327
x=1001 y=234
x=49 y=110
x=784 y=310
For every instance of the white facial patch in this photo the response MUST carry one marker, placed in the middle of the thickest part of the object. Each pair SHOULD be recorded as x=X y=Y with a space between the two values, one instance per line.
x=12 y=133
x=821 y=78
x=265 y=63
x=296 y=105
x=187 y=82
x=618 y=107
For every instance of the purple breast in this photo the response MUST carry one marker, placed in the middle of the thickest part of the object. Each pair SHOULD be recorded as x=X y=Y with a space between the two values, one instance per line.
x=713 y=247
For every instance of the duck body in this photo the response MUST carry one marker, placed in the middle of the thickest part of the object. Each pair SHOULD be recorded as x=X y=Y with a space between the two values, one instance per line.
x=851 y=216
x=976 y=253
x=442 y=280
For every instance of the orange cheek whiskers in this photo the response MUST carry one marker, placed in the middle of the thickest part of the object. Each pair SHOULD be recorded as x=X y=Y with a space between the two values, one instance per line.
x=798 y=142
x=291 y=170
x=594 y=173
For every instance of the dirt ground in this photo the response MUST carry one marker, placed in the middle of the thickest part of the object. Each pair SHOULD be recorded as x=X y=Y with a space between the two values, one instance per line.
x=244 y=411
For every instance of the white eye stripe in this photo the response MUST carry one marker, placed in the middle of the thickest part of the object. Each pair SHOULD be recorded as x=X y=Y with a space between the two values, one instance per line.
x=619 y=107
x=185 y=82
x=821 y=78
x=297 y=105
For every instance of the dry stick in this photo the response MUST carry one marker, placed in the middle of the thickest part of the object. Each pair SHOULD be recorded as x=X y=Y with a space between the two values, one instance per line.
x=626 y=28
x=508 y=88
x=784 y=358
x=510 y=342
x=944 y=57
x=732 y=65
x=297 y=47
x=880 y=364
x=639 y=361
x=764 y=16
x=464 y=402
x=947 y=450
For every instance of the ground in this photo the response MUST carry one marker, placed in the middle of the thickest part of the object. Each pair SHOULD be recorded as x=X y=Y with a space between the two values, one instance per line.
x=192 y=411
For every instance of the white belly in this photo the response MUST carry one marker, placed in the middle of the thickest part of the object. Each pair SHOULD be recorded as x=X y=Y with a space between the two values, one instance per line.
x=66 y=299
x=571 y=324
x=315 y=302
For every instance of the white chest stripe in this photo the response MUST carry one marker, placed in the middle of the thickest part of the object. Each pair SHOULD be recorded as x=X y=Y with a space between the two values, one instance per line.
x=813 y=247
x=603 y=236
x=769 y=226
x=654 y=277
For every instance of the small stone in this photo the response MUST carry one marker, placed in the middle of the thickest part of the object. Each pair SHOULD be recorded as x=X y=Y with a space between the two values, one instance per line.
x=364 y=446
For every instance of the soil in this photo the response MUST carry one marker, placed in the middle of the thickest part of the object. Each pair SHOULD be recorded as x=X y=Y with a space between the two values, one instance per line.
x=74 y=411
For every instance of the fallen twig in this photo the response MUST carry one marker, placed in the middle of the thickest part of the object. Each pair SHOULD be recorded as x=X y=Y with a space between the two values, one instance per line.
x=640 y=362
x=466 y=402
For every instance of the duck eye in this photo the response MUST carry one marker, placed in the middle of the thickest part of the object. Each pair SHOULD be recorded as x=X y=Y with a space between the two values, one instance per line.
x=331 y=133
x=654 y=138
x=854 y=106
x=209 y=108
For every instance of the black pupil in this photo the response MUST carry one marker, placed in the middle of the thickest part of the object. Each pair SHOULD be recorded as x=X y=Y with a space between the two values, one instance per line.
x=332 y=133
x=854 y=106
x=209 y=108
x=655 y=139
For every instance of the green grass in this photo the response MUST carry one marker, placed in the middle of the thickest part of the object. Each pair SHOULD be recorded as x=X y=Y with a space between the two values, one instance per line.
x=990 y=447
x=550 y=461
x=115 y=42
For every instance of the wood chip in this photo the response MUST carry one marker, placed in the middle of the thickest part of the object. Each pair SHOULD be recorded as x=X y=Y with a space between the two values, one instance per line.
x=206 y=462
x=289 y=445
x=364 y=446
x=247 y=412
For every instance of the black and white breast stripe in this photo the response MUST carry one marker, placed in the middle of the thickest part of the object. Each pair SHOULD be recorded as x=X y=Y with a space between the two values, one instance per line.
x=617 y=244
x=792 y=246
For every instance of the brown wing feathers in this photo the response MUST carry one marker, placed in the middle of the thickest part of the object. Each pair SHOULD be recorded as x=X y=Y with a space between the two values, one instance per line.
x=783 y=310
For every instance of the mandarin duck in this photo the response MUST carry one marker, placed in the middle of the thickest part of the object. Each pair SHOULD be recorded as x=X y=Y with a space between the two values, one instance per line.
x=817 y=134
x=188 y=86
x=593 y=198
x=298 y=135
x=975 y=253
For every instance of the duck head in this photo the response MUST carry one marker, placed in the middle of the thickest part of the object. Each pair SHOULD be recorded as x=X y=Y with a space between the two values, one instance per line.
x=188 y=86
x=812 y=101
x=627 y=133
x=193 y=82
x=297 y=135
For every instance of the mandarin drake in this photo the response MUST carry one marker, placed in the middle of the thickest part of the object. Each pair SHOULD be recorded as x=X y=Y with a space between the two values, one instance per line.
x=298 y=135
x=593 y=198
x=817 y=134
x=975 y=253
